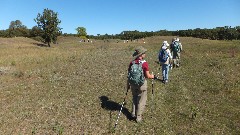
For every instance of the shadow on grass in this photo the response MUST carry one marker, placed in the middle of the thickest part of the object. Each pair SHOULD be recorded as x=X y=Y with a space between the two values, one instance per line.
x=157 y=62
x=40 y=44
x=113 y=106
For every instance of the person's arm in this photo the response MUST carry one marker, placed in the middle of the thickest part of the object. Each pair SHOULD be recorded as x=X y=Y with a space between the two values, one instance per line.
x=146 y=72
x=148 y=75
x=181 y=47
x=170 y=57
x=169 y=54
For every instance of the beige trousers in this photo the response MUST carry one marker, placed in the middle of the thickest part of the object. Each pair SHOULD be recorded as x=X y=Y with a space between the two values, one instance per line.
x=176 y=59
x=139 y=99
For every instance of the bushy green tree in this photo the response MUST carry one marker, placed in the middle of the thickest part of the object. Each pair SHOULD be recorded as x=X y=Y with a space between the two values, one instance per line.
x=81 y=32
x=48 y=21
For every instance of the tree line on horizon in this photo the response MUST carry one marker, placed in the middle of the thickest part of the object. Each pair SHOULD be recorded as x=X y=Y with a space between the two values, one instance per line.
x=17 y=29
x=218 y=33
x=47 y=30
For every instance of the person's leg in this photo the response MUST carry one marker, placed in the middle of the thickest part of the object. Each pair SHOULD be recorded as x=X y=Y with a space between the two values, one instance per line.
x=178 y=59
x=142 y=99
x=174 y=59
x=134 y=100
x=166 y=73
x=163 y=72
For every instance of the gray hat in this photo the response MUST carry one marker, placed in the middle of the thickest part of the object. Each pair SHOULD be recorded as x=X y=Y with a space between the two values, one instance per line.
x=138 y=51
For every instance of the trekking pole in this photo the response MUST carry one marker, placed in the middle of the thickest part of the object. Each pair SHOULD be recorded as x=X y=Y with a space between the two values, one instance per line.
x=152 y=89
x=171 y=64
x=120 y=110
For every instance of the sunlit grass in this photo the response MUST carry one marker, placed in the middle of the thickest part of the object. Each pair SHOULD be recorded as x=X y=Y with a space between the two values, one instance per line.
x=57 y=90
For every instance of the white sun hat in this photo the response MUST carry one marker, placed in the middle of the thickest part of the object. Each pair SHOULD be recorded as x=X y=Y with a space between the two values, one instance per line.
x=165 y=43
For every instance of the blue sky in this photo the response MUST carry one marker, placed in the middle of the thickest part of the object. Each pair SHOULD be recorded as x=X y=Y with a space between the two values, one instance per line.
x=115 y=16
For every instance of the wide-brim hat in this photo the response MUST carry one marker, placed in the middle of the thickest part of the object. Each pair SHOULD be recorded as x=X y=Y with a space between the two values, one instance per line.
x=138 y=51
x=165 y=43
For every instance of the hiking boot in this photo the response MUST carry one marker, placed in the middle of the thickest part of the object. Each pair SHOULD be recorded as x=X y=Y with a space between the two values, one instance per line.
x=163 y=80
x=133 y=115
x=166 y=81
x=139 y=119
x=171 y=67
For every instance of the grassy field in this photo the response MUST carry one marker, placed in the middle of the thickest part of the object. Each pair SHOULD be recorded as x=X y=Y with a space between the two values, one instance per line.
x=77 y=88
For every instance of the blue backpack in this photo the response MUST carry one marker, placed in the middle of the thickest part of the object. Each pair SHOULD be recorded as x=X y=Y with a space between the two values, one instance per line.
x=163 y=55
x=136 y=75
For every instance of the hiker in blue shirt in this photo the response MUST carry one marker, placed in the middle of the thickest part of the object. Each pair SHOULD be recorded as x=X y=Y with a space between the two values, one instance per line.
x=164 y=59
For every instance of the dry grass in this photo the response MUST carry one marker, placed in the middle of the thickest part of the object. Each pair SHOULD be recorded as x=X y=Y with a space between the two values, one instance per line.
x=61 y=90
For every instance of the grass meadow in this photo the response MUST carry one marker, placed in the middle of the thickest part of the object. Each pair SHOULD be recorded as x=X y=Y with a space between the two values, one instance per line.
x=77 y=88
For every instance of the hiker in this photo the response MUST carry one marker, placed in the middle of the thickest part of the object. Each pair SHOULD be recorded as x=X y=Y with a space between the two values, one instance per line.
x=180 y=45
x=165 y=57
x=176 y=49
x=138 y=88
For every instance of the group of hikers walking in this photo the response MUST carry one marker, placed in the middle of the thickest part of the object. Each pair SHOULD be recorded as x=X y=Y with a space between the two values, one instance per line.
x=169 y=57
x=138 y=72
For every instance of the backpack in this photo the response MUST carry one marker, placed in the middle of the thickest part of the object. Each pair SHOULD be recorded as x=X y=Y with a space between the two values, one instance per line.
x=163 y=55
x=136 y=75
x=175 y=47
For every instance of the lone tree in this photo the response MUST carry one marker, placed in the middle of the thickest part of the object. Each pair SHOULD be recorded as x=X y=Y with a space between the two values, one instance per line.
x=81 y=32
x=49 y=22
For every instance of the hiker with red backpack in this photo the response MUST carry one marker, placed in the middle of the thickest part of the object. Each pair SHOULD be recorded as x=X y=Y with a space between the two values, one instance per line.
x=165 y=57
x=138 y=71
